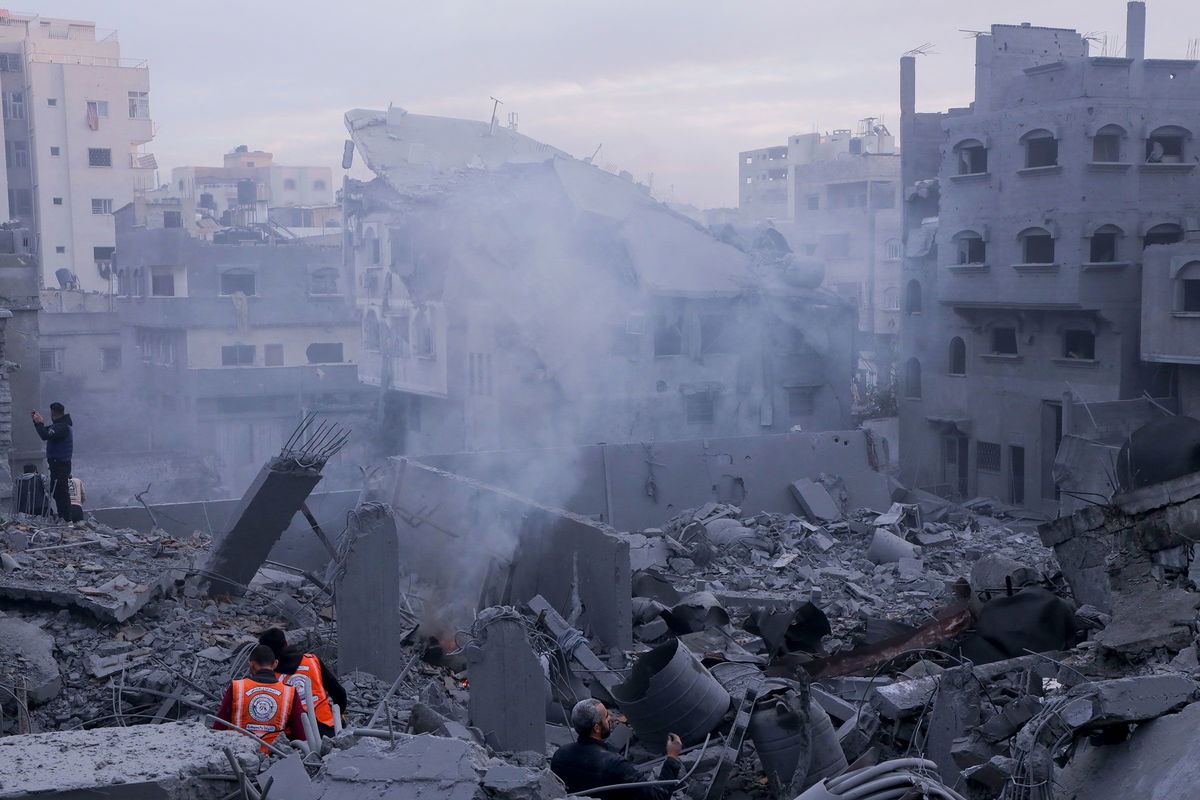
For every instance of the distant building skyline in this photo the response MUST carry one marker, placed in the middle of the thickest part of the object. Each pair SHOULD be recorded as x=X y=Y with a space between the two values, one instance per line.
x=677 y=95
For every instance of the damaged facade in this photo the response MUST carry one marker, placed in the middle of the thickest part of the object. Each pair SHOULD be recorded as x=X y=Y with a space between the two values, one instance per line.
x=513 y=296
x=1027 y=218
x=835 y=197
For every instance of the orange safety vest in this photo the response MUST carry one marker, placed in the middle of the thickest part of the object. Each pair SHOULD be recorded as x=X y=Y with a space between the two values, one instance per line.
x=262 y=708
x=308 y=684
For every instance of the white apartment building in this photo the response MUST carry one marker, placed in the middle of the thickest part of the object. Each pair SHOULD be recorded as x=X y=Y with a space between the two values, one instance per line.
x=76 y=120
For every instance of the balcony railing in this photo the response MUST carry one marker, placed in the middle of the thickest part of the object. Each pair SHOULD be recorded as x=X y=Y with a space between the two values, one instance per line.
x=143 y=161
x=88 y=61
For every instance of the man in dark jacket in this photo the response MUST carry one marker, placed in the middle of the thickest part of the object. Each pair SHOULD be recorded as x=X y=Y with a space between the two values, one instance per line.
x=31 y=493
x=309 y=673
x=60 y=445
x=590 y=763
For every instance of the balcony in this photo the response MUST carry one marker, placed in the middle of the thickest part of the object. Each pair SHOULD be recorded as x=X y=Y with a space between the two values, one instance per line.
x=88 y=61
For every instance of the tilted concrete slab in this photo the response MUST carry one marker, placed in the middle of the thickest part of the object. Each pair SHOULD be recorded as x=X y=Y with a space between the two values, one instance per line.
x=141 y=762
x=414 y=767
x=27 y=651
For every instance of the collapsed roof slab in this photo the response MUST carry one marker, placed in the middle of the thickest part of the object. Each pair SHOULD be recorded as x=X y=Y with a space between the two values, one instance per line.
x=141 y=762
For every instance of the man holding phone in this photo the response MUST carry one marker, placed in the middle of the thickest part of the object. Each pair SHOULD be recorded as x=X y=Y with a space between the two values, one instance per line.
x=60 y=446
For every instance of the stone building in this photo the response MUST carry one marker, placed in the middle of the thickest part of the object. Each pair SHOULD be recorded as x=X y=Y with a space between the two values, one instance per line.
x=513 y=296
x=834 y=196
x=1026 y=217
x=227 y=343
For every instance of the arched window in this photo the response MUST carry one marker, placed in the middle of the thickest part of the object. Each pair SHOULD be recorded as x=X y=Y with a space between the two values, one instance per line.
x=237 y=280
x=1106 y=144
x=970 y=248
x=1187 y=292
x=1167 y=233
x=958 y=356
x=891 y=298
x=1103 y=249
x=1166 y=145
x=371 y=331
x=1041 y=149
x=912 y=298
x=912 y=379
x=324 y=281
x=1037 y=246
x=971 y=155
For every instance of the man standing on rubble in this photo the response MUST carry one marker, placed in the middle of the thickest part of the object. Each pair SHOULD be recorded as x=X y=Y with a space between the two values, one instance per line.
x=60 y=446
x=310 y=677
x=262 y=704
x=591 y=763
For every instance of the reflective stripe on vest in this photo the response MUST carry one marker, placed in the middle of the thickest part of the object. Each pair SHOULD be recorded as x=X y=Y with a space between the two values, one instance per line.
x=307 y=681
x=262 y=708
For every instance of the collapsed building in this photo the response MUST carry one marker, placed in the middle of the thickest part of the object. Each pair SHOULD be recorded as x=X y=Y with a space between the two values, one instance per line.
x=513 y=296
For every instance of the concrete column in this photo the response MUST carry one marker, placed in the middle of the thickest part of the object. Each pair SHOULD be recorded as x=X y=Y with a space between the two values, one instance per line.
x=1135 y=30
x=370 y=628
x=508 y=689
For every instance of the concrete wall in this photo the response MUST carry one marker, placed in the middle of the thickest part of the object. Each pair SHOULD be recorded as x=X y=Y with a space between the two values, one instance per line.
x=452 y=530
x=637 y=486
x=299 y=546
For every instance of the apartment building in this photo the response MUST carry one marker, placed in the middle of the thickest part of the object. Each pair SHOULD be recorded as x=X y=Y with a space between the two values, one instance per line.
x=226 y=344
x=513 y=296
x=1027 y=219
x=250 y=188
x=76 y=119
x=835 y=197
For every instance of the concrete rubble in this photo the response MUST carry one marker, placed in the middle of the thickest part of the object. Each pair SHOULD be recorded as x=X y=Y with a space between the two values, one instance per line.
x=945 y=642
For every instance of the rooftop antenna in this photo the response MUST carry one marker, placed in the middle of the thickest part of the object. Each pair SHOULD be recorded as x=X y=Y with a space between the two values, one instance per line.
x=496 y=103
x=592 y=158
x=512 y=120
x=922 y=50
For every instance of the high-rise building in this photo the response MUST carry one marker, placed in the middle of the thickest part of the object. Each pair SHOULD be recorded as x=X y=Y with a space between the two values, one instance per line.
x=76 y=119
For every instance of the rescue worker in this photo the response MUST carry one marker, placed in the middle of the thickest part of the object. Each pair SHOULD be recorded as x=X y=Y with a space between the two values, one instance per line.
x=310 y=677
x=262 y=704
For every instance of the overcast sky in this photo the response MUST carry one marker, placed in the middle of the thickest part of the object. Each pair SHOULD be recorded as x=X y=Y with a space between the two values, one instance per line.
x=670 y=87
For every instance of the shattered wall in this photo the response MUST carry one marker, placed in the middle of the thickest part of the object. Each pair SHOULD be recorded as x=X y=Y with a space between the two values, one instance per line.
x=637 y=486
x=473 y=540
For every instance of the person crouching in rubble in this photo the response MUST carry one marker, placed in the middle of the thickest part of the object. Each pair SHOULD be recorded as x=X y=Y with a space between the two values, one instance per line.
x=590 y=762
x=262 y=704
x=310 y=677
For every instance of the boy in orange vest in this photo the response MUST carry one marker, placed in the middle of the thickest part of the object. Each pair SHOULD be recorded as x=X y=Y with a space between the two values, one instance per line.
x=310 y=676
x=262 y=704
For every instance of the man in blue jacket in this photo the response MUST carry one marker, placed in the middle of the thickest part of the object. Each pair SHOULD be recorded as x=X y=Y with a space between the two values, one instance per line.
x=60 y=445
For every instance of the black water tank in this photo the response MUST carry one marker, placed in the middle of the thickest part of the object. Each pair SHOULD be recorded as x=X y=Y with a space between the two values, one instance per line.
x=1159 y=451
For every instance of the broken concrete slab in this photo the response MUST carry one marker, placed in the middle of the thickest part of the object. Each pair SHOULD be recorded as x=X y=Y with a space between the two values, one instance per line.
x=508 y=687
x=1161 y=759
x=289 y=779
x=1148 y=618
x=260 y=518
x=903 y=699
x=27 y=653
x=140 y=762
x=515 y=782
x=1123 y=700
x=815 y=501
x=415 y=767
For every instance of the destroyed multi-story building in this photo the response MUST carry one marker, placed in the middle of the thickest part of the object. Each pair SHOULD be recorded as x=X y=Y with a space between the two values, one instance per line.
x=76 y=124
x=514 y=296
x=1026 y=218
x=835 y=197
